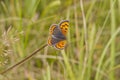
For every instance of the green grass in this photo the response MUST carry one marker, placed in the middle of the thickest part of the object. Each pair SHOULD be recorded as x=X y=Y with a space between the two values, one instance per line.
x=93 y=50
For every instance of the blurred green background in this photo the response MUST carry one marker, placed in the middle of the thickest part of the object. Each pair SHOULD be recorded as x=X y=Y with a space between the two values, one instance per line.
x=93 y=49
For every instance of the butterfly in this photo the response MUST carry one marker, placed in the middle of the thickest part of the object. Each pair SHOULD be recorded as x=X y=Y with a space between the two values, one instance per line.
x=57 y=34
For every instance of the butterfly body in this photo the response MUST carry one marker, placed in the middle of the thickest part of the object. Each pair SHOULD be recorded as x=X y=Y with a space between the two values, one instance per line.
x=57 y=35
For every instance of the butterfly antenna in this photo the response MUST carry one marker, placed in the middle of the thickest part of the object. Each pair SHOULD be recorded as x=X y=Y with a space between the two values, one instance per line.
x=25 y=59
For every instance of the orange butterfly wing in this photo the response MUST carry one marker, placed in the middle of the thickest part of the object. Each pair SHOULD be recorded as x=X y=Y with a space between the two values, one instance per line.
x=64 y=25
x=49 y=41
x=51 y=31
x=52 y=28
x=60 y=45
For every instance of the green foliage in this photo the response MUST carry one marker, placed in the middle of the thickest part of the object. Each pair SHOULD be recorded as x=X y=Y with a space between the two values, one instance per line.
x=93 y=50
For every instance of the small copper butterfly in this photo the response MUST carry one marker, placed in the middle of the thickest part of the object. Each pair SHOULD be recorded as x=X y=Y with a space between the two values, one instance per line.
x=57 y=34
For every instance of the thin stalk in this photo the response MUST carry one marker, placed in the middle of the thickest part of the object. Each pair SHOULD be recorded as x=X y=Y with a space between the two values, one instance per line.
x=24 y=60
x=112 y=55
x=68 y=66
x=86 y=40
